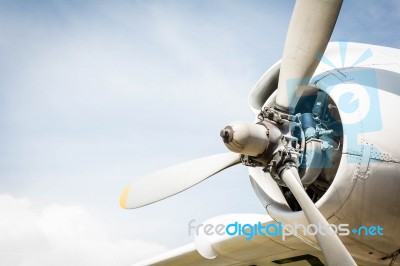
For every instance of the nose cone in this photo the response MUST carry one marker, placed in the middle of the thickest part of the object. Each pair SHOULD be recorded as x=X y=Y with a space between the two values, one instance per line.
x=227 y=134
x=245 y=138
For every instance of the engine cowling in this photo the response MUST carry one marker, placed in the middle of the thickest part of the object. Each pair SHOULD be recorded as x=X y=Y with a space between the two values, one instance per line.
x=359 y=181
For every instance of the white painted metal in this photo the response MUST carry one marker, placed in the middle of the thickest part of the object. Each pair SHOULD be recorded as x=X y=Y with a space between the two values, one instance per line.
x=248 y=138
x=309 y=32
x=175 y=179
x=235 y=250
x=333 y=249
x=358 y=199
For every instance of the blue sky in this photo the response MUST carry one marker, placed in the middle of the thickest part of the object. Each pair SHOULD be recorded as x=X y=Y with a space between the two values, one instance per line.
x=94 y=94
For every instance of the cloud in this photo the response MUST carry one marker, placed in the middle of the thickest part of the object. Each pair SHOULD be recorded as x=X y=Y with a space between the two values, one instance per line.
x=93 y=94
x=61 y=235
x=97 y=95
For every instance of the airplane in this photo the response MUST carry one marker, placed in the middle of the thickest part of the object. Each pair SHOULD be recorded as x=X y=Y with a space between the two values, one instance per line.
x=321 y=154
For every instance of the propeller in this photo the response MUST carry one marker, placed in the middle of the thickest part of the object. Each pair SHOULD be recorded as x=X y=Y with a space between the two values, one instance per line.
x=333 y=249
x=309 y=32
x=175 y=179
x=266 y=143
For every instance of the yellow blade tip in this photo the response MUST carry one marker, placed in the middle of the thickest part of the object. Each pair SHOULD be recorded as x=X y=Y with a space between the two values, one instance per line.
x=124 y=196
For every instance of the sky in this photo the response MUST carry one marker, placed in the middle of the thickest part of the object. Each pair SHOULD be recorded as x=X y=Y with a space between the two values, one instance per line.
x=94 y=94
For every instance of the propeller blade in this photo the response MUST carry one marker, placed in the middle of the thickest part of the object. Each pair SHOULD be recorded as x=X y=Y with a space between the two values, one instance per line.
x=175 y=179
x=333 y=249
x=309 y=32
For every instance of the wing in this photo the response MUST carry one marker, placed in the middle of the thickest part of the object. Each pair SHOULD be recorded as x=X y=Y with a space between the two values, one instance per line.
x=236 y=250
